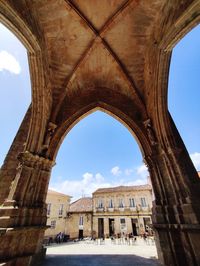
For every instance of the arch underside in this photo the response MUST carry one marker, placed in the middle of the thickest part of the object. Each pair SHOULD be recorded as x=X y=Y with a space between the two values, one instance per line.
x=78 y=64
x=112 y=102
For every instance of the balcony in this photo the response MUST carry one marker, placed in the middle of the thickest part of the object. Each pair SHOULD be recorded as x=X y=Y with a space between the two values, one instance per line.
x=100 y=209
x=121 y=209
x=146 y=209
x=133 y=209
x=110 y=209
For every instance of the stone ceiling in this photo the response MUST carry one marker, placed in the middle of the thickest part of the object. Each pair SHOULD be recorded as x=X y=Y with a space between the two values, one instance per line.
x=99 y=43
x=95 y=43
x=88 y=46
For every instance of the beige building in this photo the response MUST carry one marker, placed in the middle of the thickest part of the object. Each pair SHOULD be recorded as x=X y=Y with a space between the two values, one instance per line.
x=57 y=209
x=79 y=220
x=123 y=209
x=111 y=211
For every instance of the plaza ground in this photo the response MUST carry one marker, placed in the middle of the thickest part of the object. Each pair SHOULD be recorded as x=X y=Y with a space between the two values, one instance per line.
x=102 y=253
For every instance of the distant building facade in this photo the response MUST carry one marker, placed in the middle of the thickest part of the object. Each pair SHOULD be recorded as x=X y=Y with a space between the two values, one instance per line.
x=79 y=221
x=122 y=210
x=110 y=211
x=57 y=209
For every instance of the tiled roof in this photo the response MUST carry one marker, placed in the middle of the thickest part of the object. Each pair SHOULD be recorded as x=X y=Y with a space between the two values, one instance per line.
x=81 y=205
x=53 y=192
x=122 y=189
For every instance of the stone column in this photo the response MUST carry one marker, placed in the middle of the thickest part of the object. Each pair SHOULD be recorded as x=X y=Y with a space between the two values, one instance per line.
x=117 y=225
x=95 y=226
x=23 y=214
x=106 y=226
x=176 y=210
x=129 y=225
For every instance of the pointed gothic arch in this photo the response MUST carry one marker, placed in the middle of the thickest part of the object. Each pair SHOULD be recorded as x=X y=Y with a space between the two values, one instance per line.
x=63 y=129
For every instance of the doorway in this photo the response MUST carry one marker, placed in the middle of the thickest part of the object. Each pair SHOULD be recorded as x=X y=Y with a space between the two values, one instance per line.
x=111 y=227
x=134 y=223
x=80 y=234
x=100 y=227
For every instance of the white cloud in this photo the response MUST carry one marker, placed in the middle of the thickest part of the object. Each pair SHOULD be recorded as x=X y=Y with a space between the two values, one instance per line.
x=76 y=188
x=8 y=62
x=87 y=178
x=142 y=171
x=128 y=171
x=116 y=171
x=195 y=159
x=99 y=178
x=91 y=182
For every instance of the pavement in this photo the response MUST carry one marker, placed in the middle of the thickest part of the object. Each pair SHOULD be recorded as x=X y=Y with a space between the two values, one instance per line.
x=102 y=253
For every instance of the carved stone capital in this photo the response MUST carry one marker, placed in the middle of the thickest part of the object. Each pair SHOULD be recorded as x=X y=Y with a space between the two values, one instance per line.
x=35 y=161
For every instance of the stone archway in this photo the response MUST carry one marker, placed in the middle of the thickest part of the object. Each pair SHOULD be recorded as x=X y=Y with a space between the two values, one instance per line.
x=16 y=233
x=35 y=119
x=178 y=225
x=124 y=74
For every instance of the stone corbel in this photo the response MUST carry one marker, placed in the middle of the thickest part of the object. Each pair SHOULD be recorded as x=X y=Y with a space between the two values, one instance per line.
x=150 y=132
x=49 y=133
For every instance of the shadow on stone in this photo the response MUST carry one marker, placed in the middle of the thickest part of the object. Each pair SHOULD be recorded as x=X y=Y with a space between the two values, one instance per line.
x=98 y=260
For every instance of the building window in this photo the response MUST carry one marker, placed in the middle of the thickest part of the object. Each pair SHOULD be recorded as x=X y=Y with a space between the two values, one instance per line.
x=81 y=220
x=143 y=202
x=100 y=203
x=122 y=223
x=53 y=224
x=132 y=202
x=110 y=203
x=60 y=211
x=121 y=203
x=48 y=208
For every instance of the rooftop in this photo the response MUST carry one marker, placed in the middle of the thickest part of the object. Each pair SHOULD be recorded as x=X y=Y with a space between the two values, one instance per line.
x=53 y=192
x=122 y=189
x=81 y=205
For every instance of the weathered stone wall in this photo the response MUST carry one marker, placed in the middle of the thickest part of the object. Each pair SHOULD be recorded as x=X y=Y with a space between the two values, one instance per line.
x=9 y=168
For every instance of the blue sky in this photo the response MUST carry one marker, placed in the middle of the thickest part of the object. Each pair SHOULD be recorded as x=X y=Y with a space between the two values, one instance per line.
x=15 y=92
x=99 y=151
